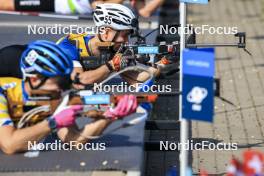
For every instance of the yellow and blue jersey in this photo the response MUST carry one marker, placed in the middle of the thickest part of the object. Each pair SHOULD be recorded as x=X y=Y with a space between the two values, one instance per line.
x=76 y=46
x=11 y=92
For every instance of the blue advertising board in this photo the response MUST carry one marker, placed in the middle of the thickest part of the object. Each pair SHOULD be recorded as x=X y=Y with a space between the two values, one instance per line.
x=195 y=1
x=198 y=84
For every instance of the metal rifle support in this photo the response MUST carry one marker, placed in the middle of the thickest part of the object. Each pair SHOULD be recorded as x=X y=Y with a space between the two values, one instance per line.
x=241 y=43
x=242 y=39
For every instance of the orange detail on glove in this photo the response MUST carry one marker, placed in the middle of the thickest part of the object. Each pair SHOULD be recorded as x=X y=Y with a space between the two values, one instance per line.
x=116 y=62
x=165 y=61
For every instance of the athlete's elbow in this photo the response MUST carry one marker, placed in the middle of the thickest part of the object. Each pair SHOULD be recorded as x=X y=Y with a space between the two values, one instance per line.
x=8 y=148
x=11 y=147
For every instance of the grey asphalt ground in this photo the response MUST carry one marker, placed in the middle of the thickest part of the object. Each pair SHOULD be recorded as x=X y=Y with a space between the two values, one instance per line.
x=242 y=83
x=15 y=30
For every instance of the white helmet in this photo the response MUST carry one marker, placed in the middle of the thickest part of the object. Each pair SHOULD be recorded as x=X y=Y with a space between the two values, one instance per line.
x=116 y=16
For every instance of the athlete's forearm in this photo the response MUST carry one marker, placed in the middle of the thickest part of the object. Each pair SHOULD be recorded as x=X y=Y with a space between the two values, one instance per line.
x=93 y=76
x=16 y=140
x=92 y=129
x=133 y=77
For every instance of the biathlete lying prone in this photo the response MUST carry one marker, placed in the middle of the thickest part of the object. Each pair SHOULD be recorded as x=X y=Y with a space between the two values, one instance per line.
x=46 y=67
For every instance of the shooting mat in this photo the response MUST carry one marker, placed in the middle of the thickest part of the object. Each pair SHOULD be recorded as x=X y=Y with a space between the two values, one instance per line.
x=124 y=151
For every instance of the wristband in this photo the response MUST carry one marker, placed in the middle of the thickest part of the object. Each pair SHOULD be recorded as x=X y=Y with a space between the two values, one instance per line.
x=77 y=79
x=52 y=124
x=110 y=68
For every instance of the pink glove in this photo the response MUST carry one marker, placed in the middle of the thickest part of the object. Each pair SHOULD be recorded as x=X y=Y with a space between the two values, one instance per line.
x=126 y=106
x=66 y=117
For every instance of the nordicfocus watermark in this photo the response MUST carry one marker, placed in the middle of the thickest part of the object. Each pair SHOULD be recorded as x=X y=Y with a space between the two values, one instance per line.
x=124 y=87
x=203 y=29
x=59 y=29
x=203 y=145
x=59 y=145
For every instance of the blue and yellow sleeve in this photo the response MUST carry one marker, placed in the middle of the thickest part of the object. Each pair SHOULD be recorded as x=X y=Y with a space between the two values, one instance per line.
x=69 y=48
x=5 y=118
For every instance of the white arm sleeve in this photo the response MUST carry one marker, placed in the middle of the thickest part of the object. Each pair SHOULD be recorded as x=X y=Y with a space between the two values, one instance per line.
x=76 y=63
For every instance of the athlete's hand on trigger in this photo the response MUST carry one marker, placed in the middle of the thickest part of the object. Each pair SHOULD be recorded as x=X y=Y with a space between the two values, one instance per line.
x=75 y=76
x=126 y=106
x=121 y=61
x=67 y=116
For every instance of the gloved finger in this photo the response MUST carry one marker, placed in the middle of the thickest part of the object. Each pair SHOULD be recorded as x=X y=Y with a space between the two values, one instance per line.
x=128 y=104
x=76 y=108
x=109 y=114
x=134 y=98
x=120 y=104
x=135 y=102
x=118 y=110
x=124 y=105
x=131 y=105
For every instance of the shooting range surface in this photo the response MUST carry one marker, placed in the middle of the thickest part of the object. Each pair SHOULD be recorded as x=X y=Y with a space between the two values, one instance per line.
x=242 y=83
x=14 y=30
